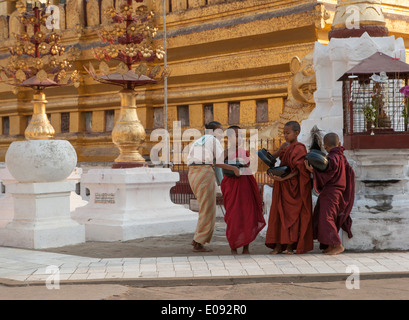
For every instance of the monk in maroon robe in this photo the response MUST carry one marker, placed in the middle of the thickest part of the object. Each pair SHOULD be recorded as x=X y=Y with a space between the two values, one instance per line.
x=336 y=188
x=242 y=201
x=290 y=220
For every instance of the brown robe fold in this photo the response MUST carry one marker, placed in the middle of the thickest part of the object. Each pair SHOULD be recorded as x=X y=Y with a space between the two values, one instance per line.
x=336 y=188
x=290 y=220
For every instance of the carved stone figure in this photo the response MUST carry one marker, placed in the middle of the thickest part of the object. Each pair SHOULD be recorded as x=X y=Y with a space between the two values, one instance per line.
x=92 y=13
x=15 y=26
x=75 y=11
x=4 y=28
x=300 y=101
x=105 y=4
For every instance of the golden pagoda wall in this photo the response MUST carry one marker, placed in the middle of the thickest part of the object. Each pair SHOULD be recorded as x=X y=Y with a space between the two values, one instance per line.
x=219 y=52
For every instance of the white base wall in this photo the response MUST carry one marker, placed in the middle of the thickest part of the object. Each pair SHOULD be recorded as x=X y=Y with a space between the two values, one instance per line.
x=381 y=211
x=134 y=203
x=41 y=216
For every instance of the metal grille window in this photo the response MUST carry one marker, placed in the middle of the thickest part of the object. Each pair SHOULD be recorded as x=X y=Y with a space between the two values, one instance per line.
x=208 y=113
x=183 y=115
x=88 y=121
x=6 y=125
x=262 y=110
x=109 y=120
x=234 y=113
x=65 y=122
x=158 y=118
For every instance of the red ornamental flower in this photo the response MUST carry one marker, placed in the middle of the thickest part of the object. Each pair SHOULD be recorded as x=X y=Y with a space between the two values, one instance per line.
x=405 y=91
x=118 y=19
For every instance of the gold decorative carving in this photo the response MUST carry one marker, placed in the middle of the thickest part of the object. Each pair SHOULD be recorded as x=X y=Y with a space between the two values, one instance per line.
x=37 y=61
x=92 y=13
x=321 y=15
x=130 y=39
x=370 y=13
x=39 y=127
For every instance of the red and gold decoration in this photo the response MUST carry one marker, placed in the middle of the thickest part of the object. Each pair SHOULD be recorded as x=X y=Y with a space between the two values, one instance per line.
x=129 y=41
x=38 y=60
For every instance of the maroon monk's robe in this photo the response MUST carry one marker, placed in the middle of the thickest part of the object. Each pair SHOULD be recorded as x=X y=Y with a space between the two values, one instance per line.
x=244 y=207
x=290 y=220
x=336 y=188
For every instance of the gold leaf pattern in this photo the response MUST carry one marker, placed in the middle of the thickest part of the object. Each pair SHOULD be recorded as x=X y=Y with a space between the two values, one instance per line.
x=104 y=68
x=42 y=75
x=20 y=75
x=4 y=77
x=122 y=68
x=155 y=70
x=141 y=69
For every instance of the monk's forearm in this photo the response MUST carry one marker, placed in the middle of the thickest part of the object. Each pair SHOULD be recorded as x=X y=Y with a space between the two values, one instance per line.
x=225 y=166
x=291 y=175
x=276 y=154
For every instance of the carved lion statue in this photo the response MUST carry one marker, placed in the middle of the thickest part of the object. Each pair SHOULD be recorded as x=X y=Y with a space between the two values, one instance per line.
x=300 y=101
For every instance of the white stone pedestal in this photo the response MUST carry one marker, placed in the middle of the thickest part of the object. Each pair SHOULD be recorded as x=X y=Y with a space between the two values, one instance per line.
x=41 y=216
x=381 y=212
x=41 y=195
x=7 y=202
x=132 y=203
x=6 y=199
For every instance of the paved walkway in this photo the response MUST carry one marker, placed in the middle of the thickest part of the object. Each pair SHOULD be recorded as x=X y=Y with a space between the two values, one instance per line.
x=21 y=266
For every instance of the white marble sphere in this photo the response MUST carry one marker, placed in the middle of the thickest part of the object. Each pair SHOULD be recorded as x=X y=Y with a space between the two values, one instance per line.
x=41 y=160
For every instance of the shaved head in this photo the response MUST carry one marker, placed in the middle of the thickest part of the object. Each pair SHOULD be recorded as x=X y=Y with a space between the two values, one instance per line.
x=213 y=125
x=294 y=125
x=331 y=140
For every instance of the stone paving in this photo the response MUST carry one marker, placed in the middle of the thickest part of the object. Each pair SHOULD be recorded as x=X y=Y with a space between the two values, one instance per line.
x=32 y=266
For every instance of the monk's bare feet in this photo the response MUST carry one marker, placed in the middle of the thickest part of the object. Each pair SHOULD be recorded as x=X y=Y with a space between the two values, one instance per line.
x=277 y=249
x=198 y=247
x=246 y=250
x=327 y=249
x=335 y=250
x=234 y=251
x=289 y=249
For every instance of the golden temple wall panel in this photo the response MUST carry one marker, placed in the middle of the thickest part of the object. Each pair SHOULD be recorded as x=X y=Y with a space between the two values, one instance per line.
x=172 y=115
x=196 y=3
x=248 y=112
x=221 y=113
x=75 y=11
x=17 y=125
x=98 y=121
x=143 y=113
x=196 y=115
x=56 y=122
x=77 y=123
x=275 y=108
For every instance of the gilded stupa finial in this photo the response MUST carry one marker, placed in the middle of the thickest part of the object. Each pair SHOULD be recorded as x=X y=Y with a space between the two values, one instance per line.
x=355 y=17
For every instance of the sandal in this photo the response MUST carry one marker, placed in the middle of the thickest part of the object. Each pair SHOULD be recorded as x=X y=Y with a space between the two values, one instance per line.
x=198 y=247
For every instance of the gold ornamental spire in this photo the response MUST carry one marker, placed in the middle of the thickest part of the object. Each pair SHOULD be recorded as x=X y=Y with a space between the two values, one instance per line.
x=355 y=17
